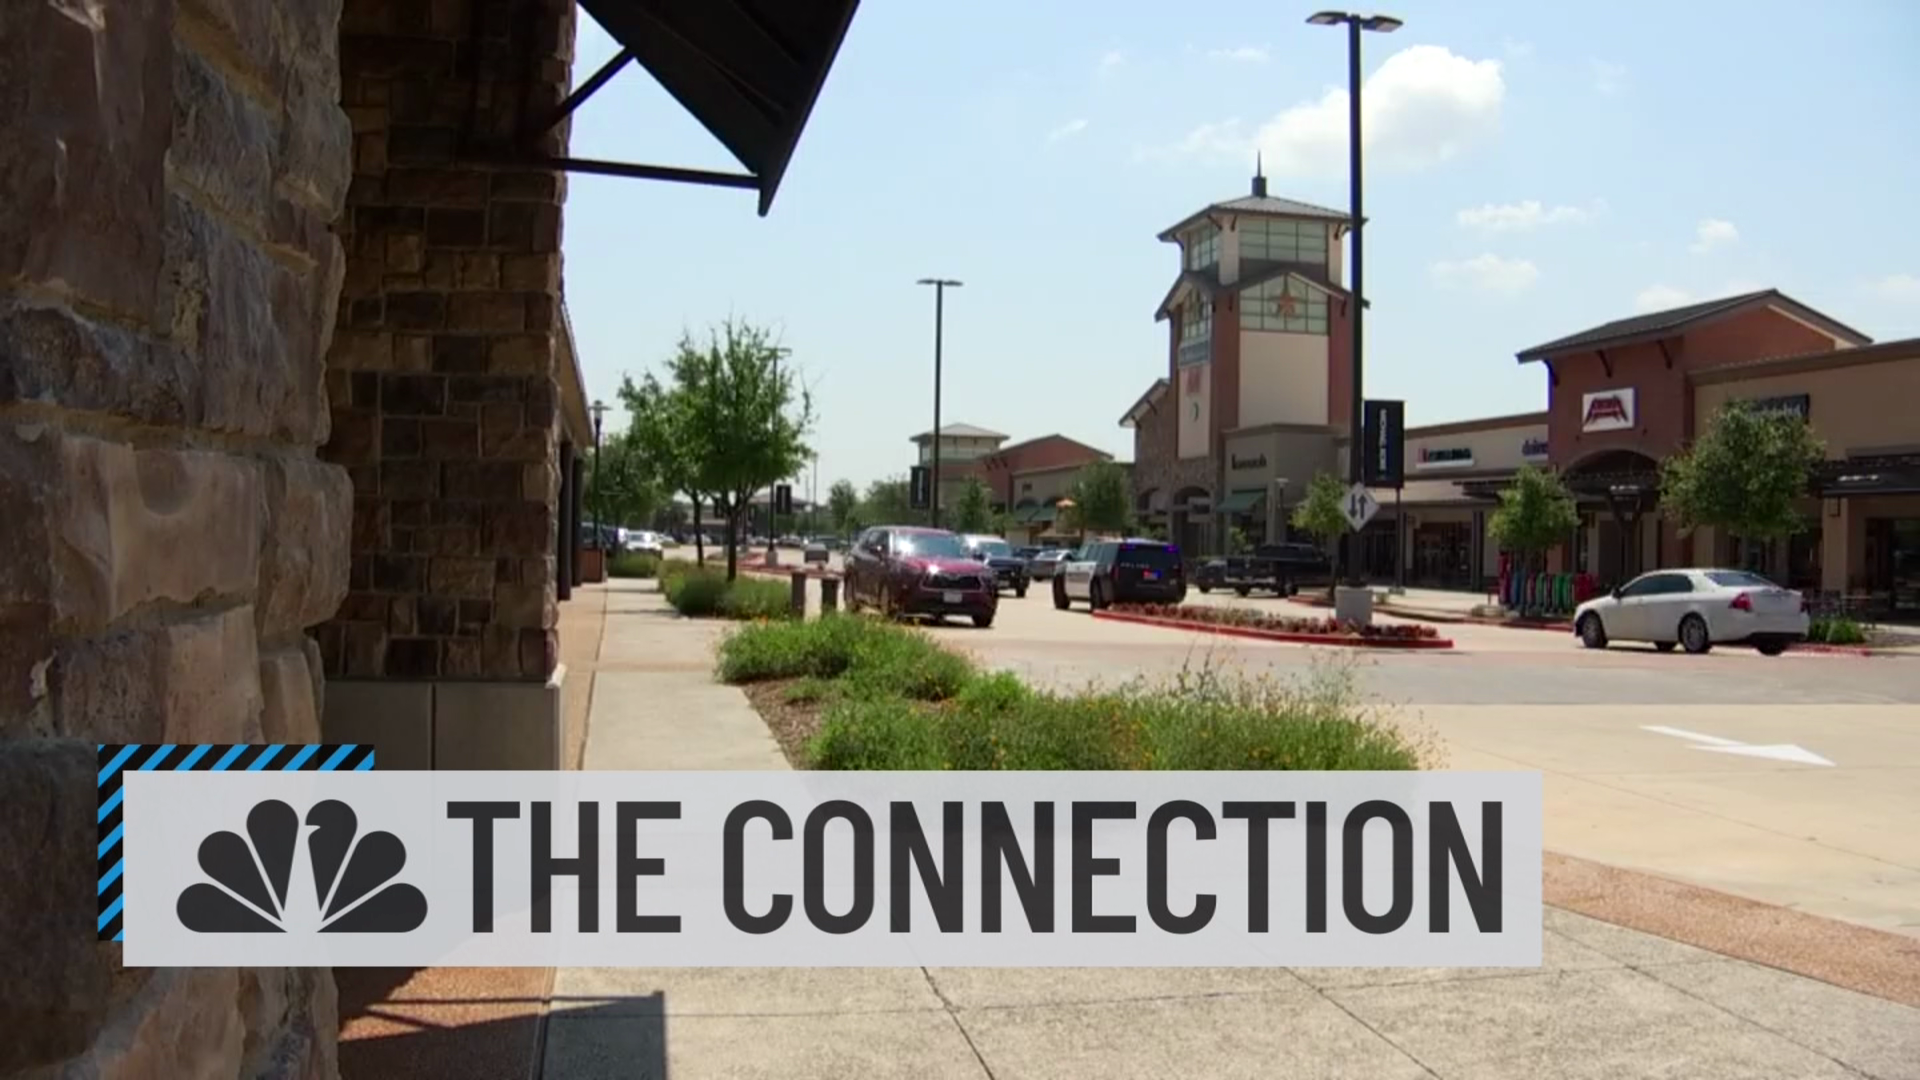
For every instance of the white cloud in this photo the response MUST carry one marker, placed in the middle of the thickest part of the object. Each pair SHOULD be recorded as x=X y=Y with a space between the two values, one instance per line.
x=1713 y=233
x=1067 y=130
x=1660 y=298
x=1112 y=58
x=1519 y=217
x=1899 y=288
x=1488 y=273
x=1608 y=79
x=1226 y=139
x=1245 y=54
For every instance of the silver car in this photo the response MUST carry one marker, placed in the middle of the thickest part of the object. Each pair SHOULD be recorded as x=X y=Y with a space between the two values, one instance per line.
x=1696 y=609
x=1045 y=564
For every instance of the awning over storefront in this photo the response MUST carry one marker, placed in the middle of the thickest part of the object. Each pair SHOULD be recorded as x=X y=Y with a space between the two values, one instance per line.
x=1037 y=515
x=1888 y=474
x=1428 y=493
x=1241 y=502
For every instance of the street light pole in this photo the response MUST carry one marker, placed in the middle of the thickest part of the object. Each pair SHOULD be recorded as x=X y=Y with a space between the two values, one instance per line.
x=940 y=286
x=599 y=409
x=1384 y=24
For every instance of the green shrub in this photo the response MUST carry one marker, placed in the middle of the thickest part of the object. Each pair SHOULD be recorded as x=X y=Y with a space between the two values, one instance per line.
x=634 y=564
x=869 y=657
x=1836 y=630
x=875 y=734
x=698 y=592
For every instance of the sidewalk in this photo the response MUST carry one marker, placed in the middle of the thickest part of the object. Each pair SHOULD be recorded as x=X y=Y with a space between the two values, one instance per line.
x=1610 y=1002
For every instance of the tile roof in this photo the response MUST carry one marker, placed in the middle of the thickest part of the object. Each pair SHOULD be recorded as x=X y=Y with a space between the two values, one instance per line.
x=1660 y=323
x=1260 y=204
x=961 y=431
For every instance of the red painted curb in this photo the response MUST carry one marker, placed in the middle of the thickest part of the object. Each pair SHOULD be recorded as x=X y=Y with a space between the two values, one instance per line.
x=1346 y=641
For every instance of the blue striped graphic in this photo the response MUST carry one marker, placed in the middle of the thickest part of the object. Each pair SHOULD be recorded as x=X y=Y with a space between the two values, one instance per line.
x=118 y=759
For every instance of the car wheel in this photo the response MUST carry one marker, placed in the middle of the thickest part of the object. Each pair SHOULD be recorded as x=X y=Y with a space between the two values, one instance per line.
x=1241 y=590
x=1694 y=636
x=1664 y=646
x=1771 y=648
x=1592 y=633
x=1179 y=598
x=1020 y=591
x=983 y=621
x=1205 y=589
x=1096 y=595
x=1060 y=600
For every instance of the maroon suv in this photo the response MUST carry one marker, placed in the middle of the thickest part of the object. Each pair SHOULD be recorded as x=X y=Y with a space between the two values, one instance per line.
x=902 y=570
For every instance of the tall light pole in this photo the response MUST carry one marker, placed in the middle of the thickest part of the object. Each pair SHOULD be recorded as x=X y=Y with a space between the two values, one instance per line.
x=779 y=353
x=940 y=287
x=599 y=409
x=1383 y=24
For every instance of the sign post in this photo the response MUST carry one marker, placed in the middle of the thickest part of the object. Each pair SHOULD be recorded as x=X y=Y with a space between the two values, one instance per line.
x=919 y=488
x=1384 y=429
x=1360 y=506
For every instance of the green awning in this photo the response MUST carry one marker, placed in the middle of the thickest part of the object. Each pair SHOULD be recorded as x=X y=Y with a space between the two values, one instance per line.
x=1044 y=515
x=1240 y=502
x=1024 y=514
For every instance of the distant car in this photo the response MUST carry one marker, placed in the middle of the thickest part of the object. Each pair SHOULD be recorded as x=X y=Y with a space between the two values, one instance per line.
x=1046 y=563
x=1279 y=568
x=1009 y=570
x=651 y=543
x=1695 y=609
x=1120 y=571
x=904 y=570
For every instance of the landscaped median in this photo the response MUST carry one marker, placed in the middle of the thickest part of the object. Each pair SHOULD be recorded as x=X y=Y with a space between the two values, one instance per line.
x=851 y=692
x=1252 y=623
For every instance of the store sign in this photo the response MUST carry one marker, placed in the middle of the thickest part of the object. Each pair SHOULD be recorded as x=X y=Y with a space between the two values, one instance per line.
x=1257 y=461
x=1534 y=449
x=1793 y=404
x=1450 y=457
x=1383 y=432
x=1608 y=410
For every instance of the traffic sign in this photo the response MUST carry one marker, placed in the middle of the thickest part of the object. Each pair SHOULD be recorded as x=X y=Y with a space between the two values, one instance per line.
x=1360 y=506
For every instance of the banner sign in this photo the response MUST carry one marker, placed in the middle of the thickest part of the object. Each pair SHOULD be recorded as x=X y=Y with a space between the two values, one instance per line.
x=764 y=869
x=1384 y=429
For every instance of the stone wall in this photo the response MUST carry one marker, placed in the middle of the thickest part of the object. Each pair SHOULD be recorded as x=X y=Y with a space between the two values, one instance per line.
x=443 y=372
x=169 y=173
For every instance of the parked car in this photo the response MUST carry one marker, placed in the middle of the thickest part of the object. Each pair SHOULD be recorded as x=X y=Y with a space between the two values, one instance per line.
x=1009 y=570
x=1278 y=568
x=904 y=570
x=1046 y=563
x=1695 y=609
x=651 y=543
x=1112 y=571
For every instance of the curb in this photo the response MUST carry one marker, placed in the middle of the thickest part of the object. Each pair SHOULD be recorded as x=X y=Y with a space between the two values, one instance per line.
x=1413 y=615
x=1345 y=641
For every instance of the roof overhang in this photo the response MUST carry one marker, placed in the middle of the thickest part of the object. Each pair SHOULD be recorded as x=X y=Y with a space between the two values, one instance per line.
x=1579 y=344
x=1148 y=402
x=575 y=418
x=748 y=70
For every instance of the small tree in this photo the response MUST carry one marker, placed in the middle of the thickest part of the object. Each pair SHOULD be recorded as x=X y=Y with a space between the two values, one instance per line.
x=620 y=486
x=1535 y=513
x=1102 y=498
x=1744 y=474
x=1322 y=514
x=887 y=503
x=666 y=435
x=972 y=507
x=843 y=507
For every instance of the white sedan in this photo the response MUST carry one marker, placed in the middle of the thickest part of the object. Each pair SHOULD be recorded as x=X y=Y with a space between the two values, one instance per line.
x=1695 y=609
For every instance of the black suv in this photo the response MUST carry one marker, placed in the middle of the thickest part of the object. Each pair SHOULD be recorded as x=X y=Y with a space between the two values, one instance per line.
x=1009 y=569
x=1279 y=568
x=1121 y=571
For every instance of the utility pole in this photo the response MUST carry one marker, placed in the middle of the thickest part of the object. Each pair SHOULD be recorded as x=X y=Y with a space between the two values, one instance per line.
x=940 y=286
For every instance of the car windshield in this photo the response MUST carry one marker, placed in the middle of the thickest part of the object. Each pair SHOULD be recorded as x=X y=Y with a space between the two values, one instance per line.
x=929 y=545
x=1739 y=579
x=1149 y=556
x=993 y=549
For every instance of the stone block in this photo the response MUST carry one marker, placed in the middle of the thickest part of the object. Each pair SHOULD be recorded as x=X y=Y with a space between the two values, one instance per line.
x=457 y=228
x=450 y=440
x=526 y=186
x=54 y=989
x=316 y=142
x=520 y=529
x=525 y=606
x=530 y=272
x=478 y=270
x=521 y=354
x=303 y=557
x=413 y=395
x=289 y=711
x=489 y=311
x=193 y=681
x=459 y=354
x=133 y=526
x=51 y=355
x=361 y=351
x=485 y=388
x=482 y=479
x=184 y=1022
x=461 y=577
x=437 y=188
x=85 y=128
x=223 y=140
x=416 y=310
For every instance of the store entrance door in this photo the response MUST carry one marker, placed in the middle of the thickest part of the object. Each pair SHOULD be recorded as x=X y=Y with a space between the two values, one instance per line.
x=1442 y=553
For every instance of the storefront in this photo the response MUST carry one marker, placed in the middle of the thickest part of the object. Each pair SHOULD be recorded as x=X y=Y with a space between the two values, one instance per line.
x=1264 y=474
x=1435 y=525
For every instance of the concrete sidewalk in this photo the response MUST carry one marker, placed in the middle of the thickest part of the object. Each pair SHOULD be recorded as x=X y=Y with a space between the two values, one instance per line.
x=1609 y=1003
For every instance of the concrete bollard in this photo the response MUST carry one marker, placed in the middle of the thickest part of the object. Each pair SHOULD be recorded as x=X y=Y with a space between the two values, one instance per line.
x=799 y=578
x=829 y=594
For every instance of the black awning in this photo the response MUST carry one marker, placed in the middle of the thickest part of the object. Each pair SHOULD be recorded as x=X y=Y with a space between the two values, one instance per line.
x=748 y=70
x=1890 y=474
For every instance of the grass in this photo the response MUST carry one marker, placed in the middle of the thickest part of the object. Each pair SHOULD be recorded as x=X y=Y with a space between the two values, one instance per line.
x=856 y=693
x=1838 y=630
x=634 y=564
x=698 y=592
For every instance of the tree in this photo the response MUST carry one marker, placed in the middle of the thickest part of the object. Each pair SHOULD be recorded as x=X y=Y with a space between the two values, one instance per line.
x=843 y=507
x=620 y=486
x=1322 y=514
x=1744 y=474
x=665 y=432
x=887 y=502
x=972 y=507
x=1535 y=513
x=1102 y=499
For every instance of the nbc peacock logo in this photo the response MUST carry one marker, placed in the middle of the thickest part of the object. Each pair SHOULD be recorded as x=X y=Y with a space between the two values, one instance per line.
x=252 y=876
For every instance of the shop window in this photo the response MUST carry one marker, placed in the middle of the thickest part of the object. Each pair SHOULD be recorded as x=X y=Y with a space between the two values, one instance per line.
x=1284 y=304
x=1283 y=241
x=1203 y=248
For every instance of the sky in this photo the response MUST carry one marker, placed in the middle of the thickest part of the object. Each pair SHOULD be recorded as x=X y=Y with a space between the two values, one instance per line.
x=1531 y=170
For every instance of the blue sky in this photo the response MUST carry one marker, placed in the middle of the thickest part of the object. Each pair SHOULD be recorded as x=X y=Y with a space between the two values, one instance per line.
x=1532 y=171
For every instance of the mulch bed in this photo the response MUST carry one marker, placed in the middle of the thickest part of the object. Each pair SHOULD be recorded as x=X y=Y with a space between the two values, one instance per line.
x=792 y=723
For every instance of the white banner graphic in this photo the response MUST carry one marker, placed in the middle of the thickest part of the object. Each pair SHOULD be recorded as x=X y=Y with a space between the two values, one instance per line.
x=774 y=869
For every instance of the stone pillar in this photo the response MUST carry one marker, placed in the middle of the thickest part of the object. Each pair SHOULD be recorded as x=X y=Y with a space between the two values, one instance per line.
x=447 y=400
x=167 y=534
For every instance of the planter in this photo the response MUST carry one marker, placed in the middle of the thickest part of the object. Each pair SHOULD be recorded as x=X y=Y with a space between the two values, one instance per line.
x=593 y=564
x=1309 y=633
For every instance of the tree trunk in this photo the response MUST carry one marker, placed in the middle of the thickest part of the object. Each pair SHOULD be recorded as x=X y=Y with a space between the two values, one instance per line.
x=733 y=539
x=699 y=534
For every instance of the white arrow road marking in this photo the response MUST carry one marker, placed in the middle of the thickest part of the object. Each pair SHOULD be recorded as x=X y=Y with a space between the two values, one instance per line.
x=1777 y=752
